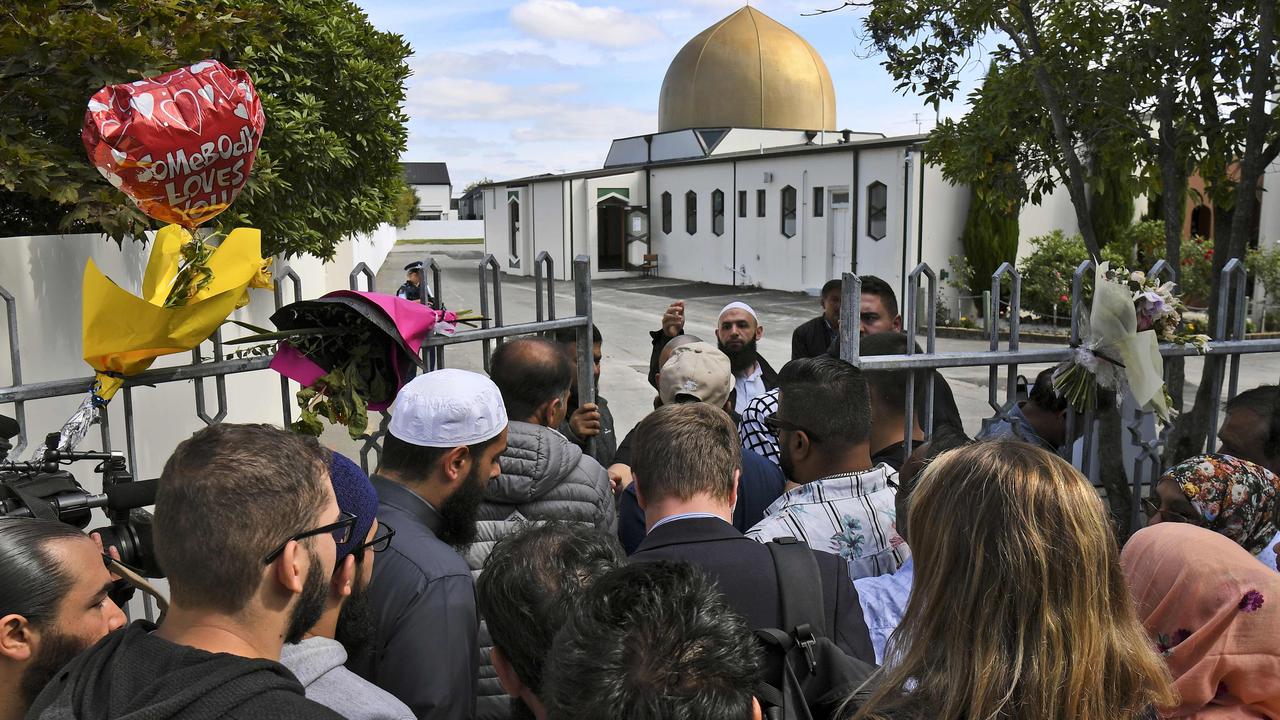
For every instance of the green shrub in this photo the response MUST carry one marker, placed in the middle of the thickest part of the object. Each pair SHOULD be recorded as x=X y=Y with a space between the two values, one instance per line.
x=1195 y=272
x=1048 y=270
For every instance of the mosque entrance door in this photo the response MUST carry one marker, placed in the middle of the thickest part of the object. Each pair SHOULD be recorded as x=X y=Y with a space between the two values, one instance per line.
x=840 y=233
x=611 y=234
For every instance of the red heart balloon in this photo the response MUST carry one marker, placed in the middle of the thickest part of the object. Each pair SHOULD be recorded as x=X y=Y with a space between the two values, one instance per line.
x=179 y=145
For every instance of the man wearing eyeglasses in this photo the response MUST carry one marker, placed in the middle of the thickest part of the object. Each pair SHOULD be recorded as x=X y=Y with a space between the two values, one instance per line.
x=246 y=529
x=836 y=500
x=347 y=625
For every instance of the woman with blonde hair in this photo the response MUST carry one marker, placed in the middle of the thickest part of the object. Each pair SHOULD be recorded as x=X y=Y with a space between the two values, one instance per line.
x=1019 y=609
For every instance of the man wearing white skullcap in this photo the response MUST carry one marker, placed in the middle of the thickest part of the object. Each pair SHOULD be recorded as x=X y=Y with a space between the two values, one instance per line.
x=447 y=431
x=738 y=329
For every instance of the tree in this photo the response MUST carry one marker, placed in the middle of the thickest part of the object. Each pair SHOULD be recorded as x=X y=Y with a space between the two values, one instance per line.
x=476 y=183
x=990 y=238
x=331 y=87
x=1111 y=204
x=1188 y=85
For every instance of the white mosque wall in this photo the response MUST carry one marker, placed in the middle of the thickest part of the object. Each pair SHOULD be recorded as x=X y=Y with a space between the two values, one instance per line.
x=749 y=139
x=883 y=257
x=702 y=256
x=1269 y=220
x=766 y=257
x=1055 y=212
x=548 y=225
x=945 y=208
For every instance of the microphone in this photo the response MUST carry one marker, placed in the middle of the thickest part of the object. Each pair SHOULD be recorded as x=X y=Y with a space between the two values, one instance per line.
x=130 y=495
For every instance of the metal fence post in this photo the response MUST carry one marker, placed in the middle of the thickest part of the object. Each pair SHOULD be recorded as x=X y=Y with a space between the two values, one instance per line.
x=437 y=282
x=286 y=404
x=586 y=359
x=1233 y=271
x=15 y=359
x=850 y=317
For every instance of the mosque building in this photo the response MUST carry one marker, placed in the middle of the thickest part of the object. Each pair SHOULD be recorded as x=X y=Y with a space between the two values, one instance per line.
x=749 y=180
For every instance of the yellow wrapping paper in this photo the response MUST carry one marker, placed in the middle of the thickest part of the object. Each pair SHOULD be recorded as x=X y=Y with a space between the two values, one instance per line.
x=123 y=333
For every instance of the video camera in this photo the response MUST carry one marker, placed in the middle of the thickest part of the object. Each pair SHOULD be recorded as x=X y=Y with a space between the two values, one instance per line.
x=42 y=489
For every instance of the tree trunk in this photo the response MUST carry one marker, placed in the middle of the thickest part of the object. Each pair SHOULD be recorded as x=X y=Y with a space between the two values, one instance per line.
x=1173 y=189
x=1111 y=431
x=1075 y=174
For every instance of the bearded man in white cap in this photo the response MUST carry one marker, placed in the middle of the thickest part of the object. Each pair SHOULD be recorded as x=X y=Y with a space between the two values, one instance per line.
x=447 y=431
x=738 y=329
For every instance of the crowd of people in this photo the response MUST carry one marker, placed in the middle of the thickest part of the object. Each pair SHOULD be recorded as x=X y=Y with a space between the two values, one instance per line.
x=764 y=544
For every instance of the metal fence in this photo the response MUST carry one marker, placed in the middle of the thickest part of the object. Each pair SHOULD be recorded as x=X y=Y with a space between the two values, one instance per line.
x=1226 y=341
x=919 y=318
x=219 y=365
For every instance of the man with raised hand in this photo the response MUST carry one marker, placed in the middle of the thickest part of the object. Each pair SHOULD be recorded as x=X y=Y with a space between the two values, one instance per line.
x=738 y=330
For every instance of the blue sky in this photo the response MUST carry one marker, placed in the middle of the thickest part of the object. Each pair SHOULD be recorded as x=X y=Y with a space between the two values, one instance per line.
x=503 y=89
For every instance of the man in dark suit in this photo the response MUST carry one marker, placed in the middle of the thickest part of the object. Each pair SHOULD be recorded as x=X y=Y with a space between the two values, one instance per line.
x=687 y=463
x=814 y=337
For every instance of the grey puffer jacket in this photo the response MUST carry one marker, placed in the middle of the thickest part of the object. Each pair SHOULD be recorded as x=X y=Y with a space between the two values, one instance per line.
x=545 y=477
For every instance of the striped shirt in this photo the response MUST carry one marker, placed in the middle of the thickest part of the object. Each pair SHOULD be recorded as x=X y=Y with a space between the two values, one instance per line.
x=851 y=515
x=752 y=431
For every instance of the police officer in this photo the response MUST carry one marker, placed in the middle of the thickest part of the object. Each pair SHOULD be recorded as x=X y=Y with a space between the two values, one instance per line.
x=412 y=287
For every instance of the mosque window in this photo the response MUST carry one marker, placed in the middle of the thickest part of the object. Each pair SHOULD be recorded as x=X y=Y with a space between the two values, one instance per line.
x=819 y=201
x=877 y=210
x=760 y=200
x=717 y=212
x=666 y=213
x=691 y=212
x=789 y=211
x=742 y=203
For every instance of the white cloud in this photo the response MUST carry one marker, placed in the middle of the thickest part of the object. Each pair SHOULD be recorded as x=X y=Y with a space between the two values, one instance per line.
x=602 y=123
x=455 y=63
x=608 y=26
x=446 y=98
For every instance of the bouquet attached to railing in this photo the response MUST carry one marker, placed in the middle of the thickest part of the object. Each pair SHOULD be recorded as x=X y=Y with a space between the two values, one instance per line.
x=1130 y=316
x=350 y=351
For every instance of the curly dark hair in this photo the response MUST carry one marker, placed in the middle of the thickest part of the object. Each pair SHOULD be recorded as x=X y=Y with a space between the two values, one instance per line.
x=653 y=641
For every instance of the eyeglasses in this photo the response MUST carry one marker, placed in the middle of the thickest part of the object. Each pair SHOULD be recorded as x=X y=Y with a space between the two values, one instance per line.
x=777 y=425
x=1153 y=509
x=378 y=543
x=341 y=531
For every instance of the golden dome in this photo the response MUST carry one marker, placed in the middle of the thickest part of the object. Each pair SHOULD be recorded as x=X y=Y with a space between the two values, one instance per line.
x=747 y=71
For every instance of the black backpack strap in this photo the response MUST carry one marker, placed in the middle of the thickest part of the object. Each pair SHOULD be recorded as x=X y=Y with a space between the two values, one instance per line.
x=799 y=585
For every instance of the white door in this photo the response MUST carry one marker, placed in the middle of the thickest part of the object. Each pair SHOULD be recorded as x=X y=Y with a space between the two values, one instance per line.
x=839 y=233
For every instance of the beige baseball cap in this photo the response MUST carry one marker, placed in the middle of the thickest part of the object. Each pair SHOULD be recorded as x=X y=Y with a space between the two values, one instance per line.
x=699 y=370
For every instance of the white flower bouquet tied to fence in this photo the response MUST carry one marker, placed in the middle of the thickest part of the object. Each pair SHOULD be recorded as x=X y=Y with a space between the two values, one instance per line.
x=1114 y=353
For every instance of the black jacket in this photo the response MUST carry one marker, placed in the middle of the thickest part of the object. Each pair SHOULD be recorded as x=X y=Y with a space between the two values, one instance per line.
x=425 y=651
x=760 y=484
x=812 y=339
x=767 y=373
x=743 y=571
x=132 y=674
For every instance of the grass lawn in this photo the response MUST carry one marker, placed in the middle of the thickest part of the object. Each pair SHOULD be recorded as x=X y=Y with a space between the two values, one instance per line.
x=441 y=241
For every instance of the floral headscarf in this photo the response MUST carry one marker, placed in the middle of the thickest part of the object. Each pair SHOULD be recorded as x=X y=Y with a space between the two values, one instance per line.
x=1213 y=612
x=1235 y=497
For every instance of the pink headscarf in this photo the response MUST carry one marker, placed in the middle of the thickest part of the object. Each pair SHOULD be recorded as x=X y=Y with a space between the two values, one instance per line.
x=1214 y=613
